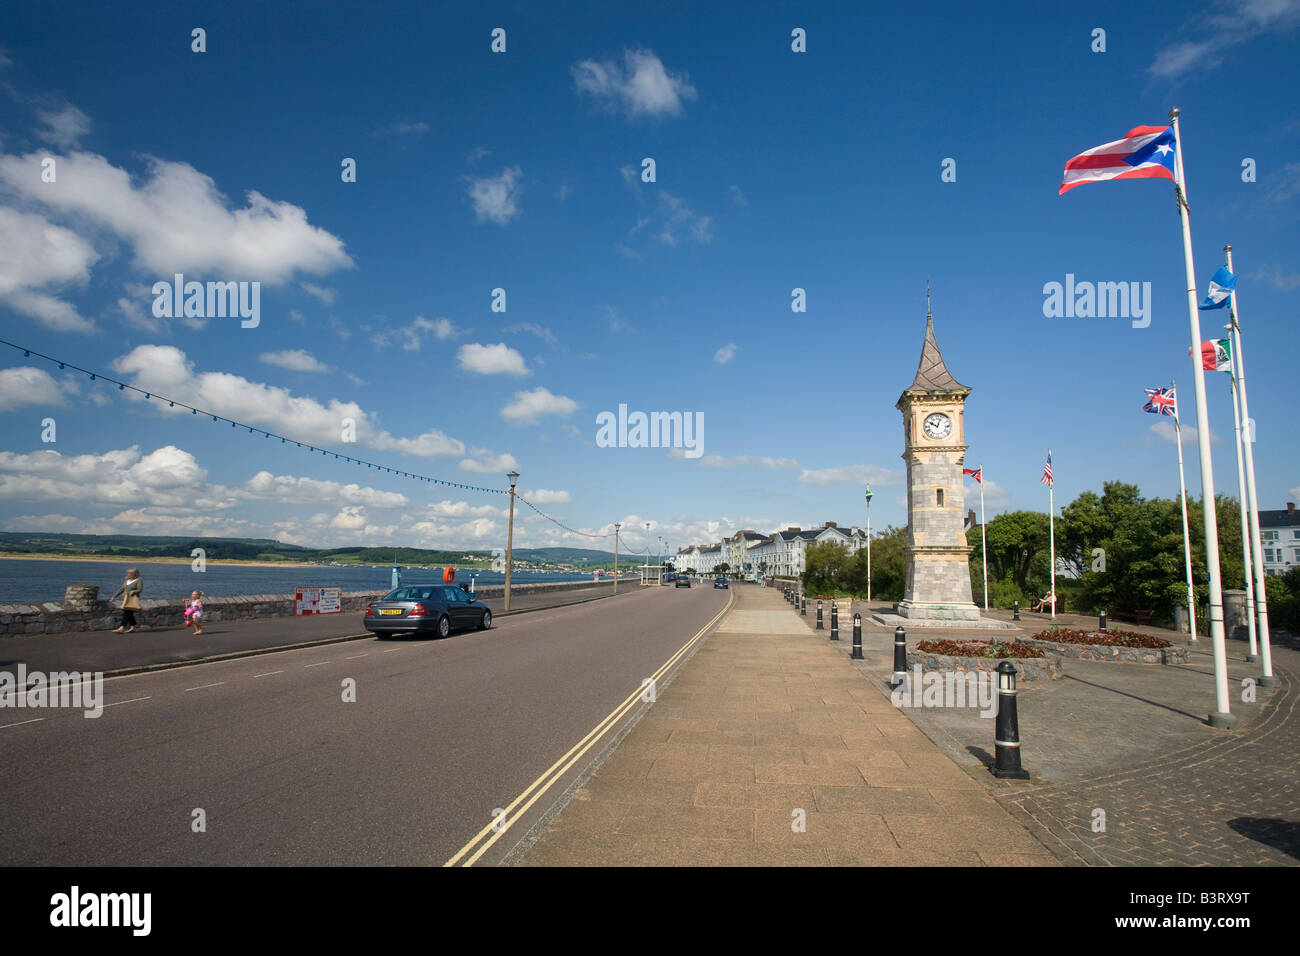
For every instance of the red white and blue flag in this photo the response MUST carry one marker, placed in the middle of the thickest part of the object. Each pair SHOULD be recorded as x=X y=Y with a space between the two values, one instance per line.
x=976 y=473
x=1161 y=401
x=1047 y=471
x=1147 y=152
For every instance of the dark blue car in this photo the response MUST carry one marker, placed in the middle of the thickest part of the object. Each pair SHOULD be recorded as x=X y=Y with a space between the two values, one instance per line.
x=422 y=608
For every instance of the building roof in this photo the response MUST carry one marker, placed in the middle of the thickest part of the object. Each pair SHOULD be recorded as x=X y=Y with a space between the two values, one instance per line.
x=1280 y=518
x=932 y=374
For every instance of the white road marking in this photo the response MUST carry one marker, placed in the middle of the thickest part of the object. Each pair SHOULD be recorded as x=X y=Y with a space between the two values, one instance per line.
x=203 y=686
x=131 y=701
x=355 y=656
x=267 y=674
x=317 y=664
x=392 y=649
x=34 y=720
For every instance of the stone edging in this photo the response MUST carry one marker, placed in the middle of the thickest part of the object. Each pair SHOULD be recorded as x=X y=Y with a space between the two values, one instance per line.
x=1027 y=668
x=1105 y=652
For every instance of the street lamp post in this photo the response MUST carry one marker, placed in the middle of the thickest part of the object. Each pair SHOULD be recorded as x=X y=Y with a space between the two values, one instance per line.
x=510 y=535
x=868 y=544
x=616 y=527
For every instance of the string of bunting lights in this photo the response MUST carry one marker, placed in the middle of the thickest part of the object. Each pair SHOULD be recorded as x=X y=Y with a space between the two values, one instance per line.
x=284 y=439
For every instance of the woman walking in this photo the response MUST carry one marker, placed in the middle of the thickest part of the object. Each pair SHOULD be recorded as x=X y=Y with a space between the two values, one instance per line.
x=130 y=591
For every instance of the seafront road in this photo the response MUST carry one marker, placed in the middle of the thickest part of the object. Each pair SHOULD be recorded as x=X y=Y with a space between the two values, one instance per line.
x=265 y=751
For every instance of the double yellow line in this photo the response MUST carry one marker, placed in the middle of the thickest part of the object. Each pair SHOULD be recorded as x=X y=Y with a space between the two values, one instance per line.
x=494 y=830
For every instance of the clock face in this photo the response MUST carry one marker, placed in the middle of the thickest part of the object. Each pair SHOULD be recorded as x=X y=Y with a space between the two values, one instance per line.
x=937 y=425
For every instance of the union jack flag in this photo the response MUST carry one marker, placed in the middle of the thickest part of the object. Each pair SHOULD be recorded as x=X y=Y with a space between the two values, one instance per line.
x=1161 y=401
x=1047 y=471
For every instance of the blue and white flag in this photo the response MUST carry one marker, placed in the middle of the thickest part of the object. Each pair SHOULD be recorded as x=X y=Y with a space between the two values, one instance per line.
x=1221 y=287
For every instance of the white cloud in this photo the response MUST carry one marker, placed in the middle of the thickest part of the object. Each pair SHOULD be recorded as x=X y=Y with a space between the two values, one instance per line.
x=725 y=354
x=63 y=127
x=738 y=197
x=641 y=86
x=462 y=509
x=1277 y=277
x=38 y=254
x=165 y=370
x=530 y=407
x=402 y=129
x=477 y=153
x=497 y=359
x=850 y=474
x=497 y=197
x=1234 y=22
x=167 y=476
x=28 y=386
x=290 y=489
x=673 y=221
x=178 y=221
x=543 y=496
x=738 y=461
x=543 y=333
x=326 y=296
x=296 y=360
x=411 y=337
x=485 y=462
x=1166 y=432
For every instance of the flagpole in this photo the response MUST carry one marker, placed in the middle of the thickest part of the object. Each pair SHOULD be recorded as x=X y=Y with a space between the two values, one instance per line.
x=1261 y=594
x=1245 y=520
x=984 y=543
x=1051 y=534
x=1187 y=538
x=1222 y=717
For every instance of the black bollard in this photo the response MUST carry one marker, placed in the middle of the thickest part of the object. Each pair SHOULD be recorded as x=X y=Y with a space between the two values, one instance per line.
x=1006 y=735
x=900 y=656
x=1015 y=610
x=835 y=621
x=819 y=616
x=1102 y=624
x=857 y=637
x=803 y=604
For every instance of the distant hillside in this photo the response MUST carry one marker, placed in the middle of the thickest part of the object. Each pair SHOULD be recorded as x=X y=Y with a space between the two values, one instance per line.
x=266 y=549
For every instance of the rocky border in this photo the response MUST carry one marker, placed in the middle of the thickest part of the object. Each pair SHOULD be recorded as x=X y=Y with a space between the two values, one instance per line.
x=1027 y=668
x=1174 y=654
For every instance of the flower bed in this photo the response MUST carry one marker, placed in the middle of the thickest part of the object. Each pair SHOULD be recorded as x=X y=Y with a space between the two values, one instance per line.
x=1109 y=638
x=1110 y=646
x=1031 y=663
x=993 y=649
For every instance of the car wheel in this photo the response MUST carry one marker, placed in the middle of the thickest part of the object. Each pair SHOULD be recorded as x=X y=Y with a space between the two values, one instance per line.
x=486 y=622
x=444 y=626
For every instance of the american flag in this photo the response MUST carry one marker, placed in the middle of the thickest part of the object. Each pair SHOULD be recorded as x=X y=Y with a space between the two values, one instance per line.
x=1047 y=471
x=1161 y=401
x=976 y=473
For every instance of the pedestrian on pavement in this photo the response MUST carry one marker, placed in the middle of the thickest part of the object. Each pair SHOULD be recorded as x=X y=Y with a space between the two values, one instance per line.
x=194 y=612
x=130 y=590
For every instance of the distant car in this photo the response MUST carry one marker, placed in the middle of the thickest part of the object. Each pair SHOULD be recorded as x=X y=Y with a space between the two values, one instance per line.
x=669 y=578
x=682 y=581
x=720 y=582
x=422 y=608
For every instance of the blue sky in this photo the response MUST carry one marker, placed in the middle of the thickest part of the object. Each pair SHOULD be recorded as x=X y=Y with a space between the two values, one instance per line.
x=521 y=170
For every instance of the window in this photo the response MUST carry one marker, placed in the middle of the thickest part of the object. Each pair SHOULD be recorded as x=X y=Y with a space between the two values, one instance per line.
x=1295 y=552
x=1268 y=554
x=1269 y=535
x=938 y=494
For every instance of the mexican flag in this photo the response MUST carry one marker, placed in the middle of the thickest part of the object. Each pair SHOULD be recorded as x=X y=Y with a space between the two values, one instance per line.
x=1216 y=355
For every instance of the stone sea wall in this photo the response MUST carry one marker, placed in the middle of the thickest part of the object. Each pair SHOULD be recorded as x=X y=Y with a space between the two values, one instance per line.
x=82 y=610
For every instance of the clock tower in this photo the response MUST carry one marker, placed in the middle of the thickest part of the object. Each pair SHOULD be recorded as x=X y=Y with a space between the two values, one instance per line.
x=934 y=447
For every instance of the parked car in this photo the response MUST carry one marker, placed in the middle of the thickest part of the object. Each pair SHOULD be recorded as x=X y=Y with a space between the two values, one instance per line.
x=720 y=582
x=682 y=581
x=424 y=608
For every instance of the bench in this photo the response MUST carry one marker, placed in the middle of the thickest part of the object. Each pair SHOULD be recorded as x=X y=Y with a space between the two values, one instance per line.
x=1142 y=615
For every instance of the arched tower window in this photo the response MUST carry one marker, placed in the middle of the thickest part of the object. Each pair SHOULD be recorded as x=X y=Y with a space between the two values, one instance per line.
x=938 y=494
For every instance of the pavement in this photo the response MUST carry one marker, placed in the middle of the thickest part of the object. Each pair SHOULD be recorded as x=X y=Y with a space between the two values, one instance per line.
x=153 y=647
x=767 y=748
x=410 y=752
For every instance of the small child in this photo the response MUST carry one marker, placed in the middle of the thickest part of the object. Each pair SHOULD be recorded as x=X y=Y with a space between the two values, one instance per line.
x=194 y=612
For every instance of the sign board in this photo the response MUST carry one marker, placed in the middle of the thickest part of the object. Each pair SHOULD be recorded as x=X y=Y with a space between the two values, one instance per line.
x=317 y=601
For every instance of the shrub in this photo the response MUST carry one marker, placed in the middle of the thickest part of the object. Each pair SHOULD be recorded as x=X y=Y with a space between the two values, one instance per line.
x=1068 y=635
x=992 y=649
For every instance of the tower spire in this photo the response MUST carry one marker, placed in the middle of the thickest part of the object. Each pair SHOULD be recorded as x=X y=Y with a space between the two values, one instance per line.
x=932 y=374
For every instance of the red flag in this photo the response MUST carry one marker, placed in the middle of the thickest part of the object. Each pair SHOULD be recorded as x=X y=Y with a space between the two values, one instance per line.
x=976 y=473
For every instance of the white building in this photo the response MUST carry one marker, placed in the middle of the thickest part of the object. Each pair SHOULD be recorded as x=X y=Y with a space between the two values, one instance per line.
x=781 y=553
x=1280 y=531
